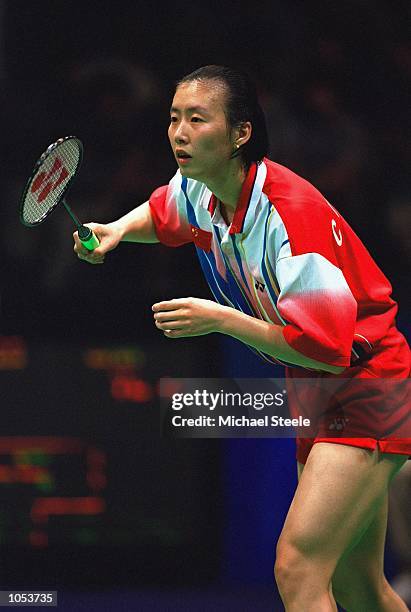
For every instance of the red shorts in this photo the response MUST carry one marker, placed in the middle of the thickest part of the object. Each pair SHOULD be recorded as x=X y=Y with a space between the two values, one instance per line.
x=370 y=406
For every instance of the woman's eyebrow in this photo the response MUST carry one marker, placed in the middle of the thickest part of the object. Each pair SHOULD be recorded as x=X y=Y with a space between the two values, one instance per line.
x=190 y=109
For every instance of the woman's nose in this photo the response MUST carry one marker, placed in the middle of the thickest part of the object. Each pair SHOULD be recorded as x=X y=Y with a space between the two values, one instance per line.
x=180 y=134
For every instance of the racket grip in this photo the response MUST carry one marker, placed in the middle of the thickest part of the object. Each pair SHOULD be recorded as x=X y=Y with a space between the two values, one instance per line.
x=87 y=238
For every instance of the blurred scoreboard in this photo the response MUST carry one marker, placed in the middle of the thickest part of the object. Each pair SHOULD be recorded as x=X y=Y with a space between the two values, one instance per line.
x=88 y=488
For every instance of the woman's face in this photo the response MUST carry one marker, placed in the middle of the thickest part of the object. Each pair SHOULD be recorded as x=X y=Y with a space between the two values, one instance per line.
x=201 y=140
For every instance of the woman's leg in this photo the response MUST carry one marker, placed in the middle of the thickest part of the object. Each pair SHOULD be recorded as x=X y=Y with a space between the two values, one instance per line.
x=337 y=498
x=358 y=583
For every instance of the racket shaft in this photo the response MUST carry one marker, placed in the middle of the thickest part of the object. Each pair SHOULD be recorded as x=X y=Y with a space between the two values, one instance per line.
x=72 y=215
x=87 y=238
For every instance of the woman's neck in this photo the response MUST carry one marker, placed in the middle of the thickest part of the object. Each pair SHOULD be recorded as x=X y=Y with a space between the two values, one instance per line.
x=227 y=189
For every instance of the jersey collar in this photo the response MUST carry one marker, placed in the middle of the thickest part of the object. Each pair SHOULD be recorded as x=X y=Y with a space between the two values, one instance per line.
x=243 y=203
x=250 y=194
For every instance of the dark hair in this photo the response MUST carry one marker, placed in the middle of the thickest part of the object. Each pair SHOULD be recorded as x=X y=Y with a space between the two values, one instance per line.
x=241 y=105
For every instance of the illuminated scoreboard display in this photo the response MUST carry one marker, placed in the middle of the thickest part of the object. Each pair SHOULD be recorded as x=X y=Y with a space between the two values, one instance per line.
x=85 y=474
x=41 y=479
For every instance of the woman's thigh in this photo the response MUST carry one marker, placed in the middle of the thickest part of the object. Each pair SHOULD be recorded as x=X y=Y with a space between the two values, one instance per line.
x=339 y=493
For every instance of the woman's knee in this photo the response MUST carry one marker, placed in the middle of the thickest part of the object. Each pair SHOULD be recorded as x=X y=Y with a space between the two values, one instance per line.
x=285 y=560
x=288 y=570
x=294 y=565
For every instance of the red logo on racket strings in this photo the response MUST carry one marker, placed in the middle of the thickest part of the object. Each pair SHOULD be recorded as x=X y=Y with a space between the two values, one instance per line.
x=49 y=181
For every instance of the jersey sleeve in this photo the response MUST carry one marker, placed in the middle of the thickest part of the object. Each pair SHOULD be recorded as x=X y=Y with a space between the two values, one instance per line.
x=315 y=300
x=318 y=308
x=168 y=211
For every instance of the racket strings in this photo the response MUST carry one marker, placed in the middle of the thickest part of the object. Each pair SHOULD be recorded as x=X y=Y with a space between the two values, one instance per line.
x=55 y=169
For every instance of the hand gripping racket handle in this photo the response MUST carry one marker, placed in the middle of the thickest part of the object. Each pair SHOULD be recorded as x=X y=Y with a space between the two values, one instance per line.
x=87 y=238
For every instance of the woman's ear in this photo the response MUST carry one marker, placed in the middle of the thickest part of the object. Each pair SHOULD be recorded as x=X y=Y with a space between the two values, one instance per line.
x=243 y=134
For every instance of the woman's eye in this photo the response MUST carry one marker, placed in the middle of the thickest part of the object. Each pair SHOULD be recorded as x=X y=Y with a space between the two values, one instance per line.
x=173 y=119
x=196 y=119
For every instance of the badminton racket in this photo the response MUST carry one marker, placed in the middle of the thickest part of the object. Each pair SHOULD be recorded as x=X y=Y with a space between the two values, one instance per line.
x=48 y=184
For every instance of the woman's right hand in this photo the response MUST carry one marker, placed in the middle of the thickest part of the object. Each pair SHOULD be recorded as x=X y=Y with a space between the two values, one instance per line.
x=109 y=236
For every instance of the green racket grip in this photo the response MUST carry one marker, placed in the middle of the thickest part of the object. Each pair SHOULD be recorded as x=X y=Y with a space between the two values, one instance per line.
x=87 y=238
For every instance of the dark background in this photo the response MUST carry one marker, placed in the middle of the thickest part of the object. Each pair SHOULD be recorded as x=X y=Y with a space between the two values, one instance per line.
x=333 y=79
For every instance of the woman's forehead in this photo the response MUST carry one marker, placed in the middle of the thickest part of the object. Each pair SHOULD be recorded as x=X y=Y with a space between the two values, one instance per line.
x=207 y=94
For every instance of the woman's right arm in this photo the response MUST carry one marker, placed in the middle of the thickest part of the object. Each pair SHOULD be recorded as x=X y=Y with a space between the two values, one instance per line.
x=135 y=226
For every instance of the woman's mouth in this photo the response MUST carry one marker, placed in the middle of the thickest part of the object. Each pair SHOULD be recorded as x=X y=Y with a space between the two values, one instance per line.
x=183 y=157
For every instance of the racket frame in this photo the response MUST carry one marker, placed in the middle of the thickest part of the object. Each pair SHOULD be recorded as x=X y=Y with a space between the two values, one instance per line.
x=87 y=237
x=50 y=149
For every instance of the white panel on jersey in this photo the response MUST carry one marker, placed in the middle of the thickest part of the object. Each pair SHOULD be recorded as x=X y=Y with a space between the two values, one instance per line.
x=310 y=272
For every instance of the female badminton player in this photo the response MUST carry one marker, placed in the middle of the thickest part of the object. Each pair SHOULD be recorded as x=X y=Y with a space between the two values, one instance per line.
x=293 y=281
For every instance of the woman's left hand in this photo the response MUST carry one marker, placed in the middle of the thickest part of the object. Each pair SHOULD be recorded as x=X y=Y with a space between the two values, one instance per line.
x=184 y=317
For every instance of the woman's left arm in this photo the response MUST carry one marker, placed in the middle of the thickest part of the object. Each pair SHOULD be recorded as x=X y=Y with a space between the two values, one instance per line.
x=184 y=317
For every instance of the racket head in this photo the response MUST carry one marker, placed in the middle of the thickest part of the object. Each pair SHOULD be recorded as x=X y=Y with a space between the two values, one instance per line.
x=50 y=180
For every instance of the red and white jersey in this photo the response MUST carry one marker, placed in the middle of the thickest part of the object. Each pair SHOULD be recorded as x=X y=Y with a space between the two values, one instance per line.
x=288 y=258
